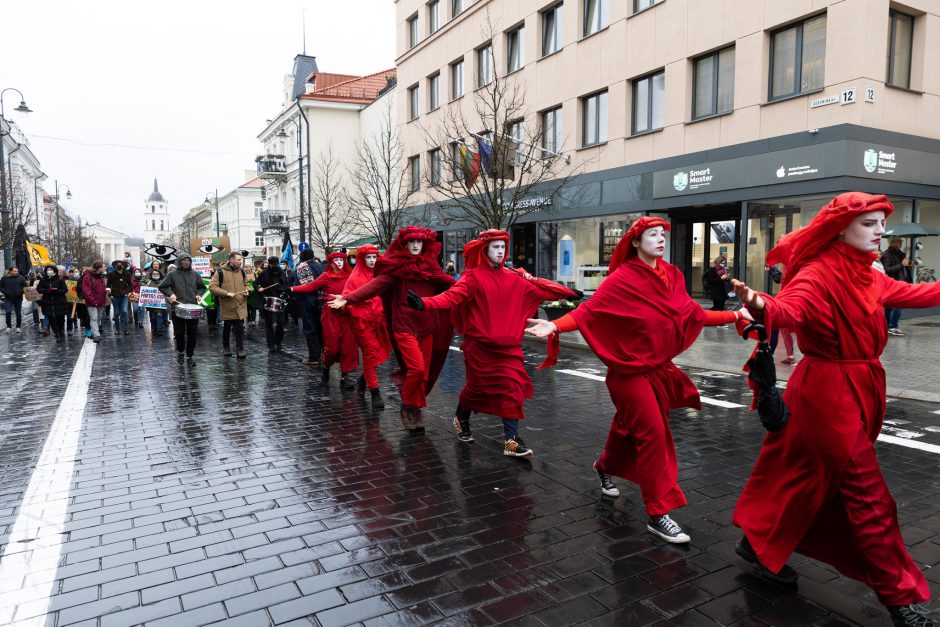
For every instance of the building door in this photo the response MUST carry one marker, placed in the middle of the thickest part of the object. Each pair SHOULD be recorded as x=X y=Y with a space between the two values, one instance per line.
x=767 y=223
x=522 y=239
x=697 y=240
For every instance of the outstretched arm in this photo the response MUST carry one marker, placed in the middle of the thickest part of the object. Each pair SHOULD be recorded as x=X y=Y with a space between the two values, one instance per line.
x=312 y=286
x=370 y=290
x=902 y=295
x=458 y=293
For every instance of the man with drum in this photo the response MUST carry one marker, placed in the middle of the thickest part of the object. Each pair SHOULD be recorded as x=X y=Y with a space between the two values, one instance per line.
x=229 y=285
x=183 y=287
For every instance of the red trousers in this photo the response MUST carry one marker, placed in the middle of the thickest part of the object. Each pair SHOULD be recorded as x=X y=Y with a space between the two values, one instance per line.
x=639 y=444
x=339 y=345
x=416 y=355
x=863 y=514
x=374 y=344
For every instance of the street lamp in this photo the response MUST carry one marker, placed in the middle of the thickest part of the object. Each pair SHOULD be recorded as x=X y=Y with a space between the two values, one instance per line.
x=58 y=234
x=216 y=196
x=300 y=173
x=5 y=225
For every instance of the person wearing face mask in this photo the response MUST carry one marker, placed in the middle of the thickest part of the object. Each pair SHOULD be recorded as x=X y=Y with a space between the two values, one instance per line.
x=489 y=307
x=158 y=317
x=368 y=324
x=718 y=283
x=119 y=286
x=136 y=278
x=230 y=287
x=95 y=295
x=273 y=282
x=293 y=307
x=817 y=487
x=54 y=304
x=183 y=286
x=339 y=344
x=638 y=320
x=421 y=338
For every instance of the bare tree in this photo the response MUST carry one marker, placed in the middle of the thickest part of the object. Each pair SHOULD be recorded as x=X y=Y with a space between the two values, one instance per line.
x=522 y=176
x=379 y=189
x=332 y=221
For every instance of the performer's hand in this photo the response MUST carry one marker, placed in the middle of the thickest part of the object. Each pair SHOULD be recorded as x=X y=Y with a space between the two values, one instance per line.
x=338 y=302
x=415 y=301
x=540 y=328
x=748 y=297
x=744 y=314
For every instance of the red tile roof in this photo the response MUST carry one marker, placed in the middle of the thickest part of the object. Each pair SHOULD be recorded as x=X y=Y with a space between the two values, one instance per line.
x=255 y=182
x=359 y=89
x=322 y=80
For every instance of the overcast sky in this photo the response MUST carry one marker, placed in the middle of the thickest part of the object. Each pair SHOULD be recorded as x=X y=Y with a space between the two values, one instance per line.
x=195 y=78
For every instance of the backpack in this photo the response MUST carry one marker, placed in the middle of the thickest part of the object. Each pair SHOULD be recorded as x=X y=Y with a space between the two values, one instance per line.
x=78 y=287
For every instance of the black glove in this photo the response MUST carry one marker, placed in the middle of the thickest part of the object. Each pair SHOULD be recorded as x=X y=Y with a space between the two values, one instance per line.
x=415 y=301
x=577 y=293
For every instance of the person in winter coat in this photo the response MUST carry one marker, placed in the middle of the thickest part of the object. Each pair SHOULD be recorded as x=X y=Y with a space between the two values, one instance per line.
x=120 y=285
x=12 y=286
x=718 y=283
x=54 y=304
x=310 y=307
x=898 y=267
x=95 y=293
x=229 y=285
x=273 y=282
x=183 y=286
x=137 y=276
x=158 y=317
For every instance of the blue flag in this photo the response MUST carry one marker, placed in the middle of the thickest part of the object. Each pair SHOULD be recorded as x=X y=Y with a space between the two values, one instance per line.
x=486 y=155
x=288 y=254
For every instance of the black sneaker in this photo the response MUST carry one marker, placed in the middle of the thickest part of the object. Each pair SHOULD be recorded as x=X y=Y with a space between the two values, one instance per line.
x=464 y=435
x=326 y=375
x=667 y=529
x=346 y=383
x=515 y=447
x=190 y=362
x=911 y=616
x=361 y=391
x=179 y=358
x=607 y=486
x=786 y=577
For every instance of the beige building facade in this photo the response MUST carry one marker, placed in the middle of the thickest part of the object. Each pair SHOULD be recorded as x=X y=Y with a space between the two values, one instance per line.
x=737 y=119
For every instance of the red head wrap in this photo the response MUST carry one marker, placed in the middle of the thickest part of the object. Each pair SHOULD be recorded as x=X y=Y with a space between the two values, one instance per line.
x=398 y=261
x=338 y=255
x=408 y=233
x=367 y=249
x=795 y=249
x=625 y=248
x=474 y=253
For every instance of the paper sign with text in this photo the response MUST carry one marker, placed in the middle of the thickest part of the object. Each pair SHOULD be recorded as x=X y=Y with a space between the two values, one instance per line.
x=152 y=298
x=201 y=265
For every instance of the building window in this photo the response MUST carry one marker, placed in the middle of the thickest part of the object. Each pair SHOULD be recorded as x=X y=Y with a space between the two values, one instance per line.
x=900 y=49
x=485 y=65
x=259 y=238
x=258 y=207
x=434 y=158
x=414 y=163
x=639 y=5
x=551 y=131
x=456 y=7
x=517 y=132
x=594 y=119
x=596 y=16
x=153 y=208
x=434 y=16
x=514 y=45
x=713 y=88
x=161 y=225
x=551 y=30
x=798 y=58
x=456 y=161
x=434 y=92
x=153 y=225
x=414 y=102
x=456 y=79
x=648 y=97
x=413 y=36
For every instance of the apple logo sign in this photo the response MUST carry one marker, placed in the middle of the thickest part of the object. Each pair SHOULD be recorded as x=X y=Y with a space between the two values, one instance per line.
x=782 y=172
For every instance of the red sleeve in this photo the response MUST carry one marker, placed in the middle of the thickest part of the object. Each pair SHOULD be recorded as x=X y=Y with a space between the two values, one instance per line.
x=371 y=289
x=902 y=295
x=312 y=286
x=716 y=318
x=458 y=293
x=566 y=323
x=800 y=302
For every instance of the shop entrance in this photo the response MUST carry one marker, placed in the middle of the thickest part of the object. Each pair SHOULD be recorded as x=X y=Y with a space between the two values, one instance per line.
x=523 y=246
x=766 y=224
x=701 y=235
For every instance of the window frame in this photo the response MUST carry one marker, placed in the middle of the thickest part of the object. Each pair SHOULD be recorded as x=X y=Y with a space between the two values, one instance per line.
x=517 y=33
x=414 y=35
x=893 y=15
x=638 y=9
x=597 y=121
x=557 y=140
x=797 y=61
x=716 y=55
x=649 y=103
x=454 y=66
x=434 y=91
x=434 y=16
x=414 y=167
x=558 y=16
x=603 y=12
x=259 y=239
x=456 y=8
x=434 y=167
x=414 y=102
x=481 y=54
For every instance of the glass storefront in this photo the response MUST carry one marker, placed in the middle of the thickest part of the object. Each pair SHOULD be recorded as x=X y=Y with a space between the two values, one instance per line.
x=928 y=214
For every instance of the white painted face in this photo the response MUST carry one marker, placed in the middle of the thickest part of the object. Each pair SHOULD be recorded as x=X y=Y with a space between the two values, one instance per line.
x=338 y=263
x=415 y=246
x=496 y=251
x=865 y=231
x=371 y=259
x=652 y=242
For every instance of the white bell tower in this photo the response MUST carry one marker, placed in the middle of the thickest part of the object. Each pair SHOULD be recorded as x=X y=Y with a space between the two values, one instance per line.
x=156 y=217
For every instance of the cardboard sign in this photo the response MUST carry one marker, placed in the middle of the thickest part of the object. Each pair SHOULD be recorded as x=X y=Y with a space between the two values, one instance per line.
x=152 y=298
x=216 y=248
x=304 y=273
x=72 y=295
x=31 y=294
x=202 y=265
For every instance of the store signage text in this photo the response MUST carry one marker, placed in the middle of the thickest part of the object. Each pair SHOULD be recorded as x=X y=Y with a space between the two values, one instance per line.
x=529 y=203
x=693 y=179
x=880 y=161
x=799 y=170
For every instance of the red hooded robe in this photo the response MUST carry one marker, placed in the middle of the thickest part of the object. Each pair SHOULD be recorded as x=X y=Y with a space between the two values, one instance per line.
x=368 y=319
x=339 y=344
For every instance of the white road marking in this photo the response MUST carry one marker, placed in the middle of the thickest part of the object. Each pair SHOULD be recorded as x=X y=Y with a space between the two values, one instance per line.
x=921 y=446
x=900 y=433
x=36 y=539
x=705 y=399
x=586 y=375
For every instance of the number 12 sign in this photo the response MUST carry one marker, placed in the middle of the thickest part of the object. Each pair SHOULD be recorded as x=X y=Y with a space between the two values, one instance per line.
x=848 y=96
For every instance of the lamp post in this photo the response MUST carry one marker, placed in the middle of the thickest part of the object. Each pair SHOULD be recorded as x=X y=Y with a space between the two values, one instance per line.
x=300 y=174
x=216 y=196
x=58 y=233
x=5 y=226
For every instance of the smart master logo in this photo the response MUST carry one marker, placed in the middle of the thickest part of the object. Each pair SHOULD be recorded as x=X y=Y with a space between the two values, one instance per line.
x=680 y=181
x=871 y=160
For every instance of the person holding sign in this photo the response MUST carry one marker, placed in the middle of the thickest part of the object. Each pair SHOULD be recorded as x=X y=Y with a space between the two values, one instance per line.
x=184 y=286
x=158 y=316
x=230 y=286
x=54 y=304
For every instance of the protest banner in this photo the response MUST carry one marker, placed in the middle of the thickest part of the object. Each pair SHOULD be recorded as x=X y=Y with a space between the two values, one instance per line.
x=152 y=298
x=202 y=266
x=72 y=295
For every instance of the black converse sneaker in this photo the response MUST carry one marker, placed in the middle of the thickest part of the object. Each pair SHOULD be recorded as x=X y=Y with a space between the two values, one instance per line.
x=514 y=447
x=911 y=616
x=607 y=486
x=667 y=529
x=786 y=577
x=464 y=435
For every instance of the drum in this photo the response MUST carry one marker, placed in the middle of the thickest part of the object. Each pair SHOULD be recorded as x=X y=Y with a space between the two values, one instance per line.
x=189 y=312
x=274 y=304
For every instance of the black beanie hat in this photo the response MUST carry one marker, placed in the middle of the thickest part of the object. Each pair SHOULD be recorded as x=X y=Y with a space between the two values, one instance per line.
x=306 y=254
x=272 y=261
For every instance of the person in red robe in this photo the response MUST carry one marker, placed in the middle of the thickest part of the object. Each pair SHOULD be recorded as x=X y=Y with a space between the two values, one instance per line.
x=817 y=487
x=368 y=324
x=422 y=338
x=637 y=321
x=490 y=305
x=339 y=344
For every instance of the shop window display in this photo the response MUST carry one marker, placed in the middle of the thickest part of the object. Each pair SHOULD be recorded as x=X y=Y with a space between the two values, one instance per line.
x=928 y=214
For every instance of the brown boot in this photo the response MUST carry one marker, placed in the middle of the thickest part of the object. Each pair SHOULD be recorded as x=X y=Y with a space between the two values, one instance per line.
x=417 y=418
x=407 y=420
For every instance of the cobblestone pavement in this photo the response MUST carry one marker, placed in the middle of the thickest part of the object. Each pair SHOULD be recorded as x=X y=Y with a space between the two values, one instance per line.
x=245 y=491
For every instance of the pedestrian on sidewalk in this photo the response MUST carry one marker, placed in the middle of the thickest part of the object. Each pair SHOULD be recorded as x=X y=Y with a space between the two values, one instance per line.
x=368 y=324
x=95 y=294
x=183 y=286
x=718 y=283
x=158 y=317
x=273 y=282
x=229 y=285
x=12 y=286
x=817 y=487
x=339 y=344
x=137 y=276
x=776 y=275
x=897 y=266
x=311 y=308
x=489 y=307
x=55 y=307
x=120 y=286
x=639 y=319
x=422 y=338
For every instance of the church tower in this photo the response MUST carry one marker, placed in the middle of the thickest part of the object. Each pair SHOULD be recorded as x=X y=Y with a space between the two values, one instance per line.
x=156 y=218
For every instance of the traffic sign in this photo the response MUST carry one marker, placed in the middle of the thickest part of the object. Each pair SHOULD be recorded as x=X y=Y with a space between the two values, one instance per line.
x=302 y=246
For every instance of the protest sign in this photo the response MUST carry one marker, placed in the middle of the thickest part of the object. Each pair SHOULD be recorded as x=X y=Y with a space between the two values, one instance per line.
x=201 y=265
x=72 y=295
x=152 y=298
